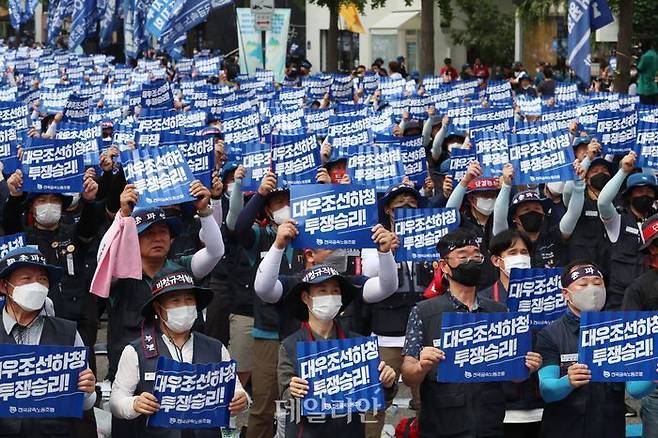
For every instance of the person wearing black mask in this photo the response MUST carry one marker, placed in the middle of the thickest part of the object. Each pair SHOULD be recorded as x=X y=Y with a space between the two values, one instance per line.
x=588 y=239
x=454 y=409
x=623 y=227
x=527 y=213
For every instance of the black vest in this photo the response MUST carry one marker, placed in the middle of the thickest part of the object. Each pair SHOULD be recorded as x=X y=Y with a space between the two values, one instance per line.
x=589 y=241
x=329 y=427
x=205 y=350
x=266 y=316
x=626 y=261
x=127 y=296
x=489 y=273
x=595 y=410
x=389 y=317
x=457 y=410
x=56 y=331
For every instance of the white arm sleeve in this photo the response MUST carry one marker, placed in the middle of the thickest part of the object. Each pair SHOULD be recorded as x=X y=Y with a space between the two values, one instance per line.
x=205 y=259
x=501 y=209
x=217 y=211
x=266 y=284
x=379 y=288
x=125 y=383
x=370 y=262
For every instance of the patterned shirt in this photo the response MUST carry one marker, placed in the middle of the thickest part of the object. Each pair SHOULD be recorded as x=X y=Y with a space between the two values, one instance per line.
x=413 y=341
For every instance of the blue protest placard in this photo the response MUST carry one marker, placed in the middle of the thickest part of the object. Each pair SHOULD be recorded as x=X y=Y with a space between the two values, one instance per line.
x=16 y=115
x=53 y=100
x=53 y=166
x=380 y=166
x=11 y=242
x=333 y=215
x=241 y=127
x=420 y=229
x=537 y=292
x=157 y=120
x=287 y=120
x=199 y=151
x=41 y=381
x=491 y=120
x=414 y=160
x=529 y=106
x=8 y=149
x=616 y=130
x=492 y=152
x=646 y=142
x=460 y=158
x=87 y=133
x=342 y=375
x=193 y=396
x=484 y=347
x=541 y=158
x=157 y=94
x=317 y=121
x=619 y=346
x=296 y=158
x=257 y=161
x=161 y=175
x=77 y=109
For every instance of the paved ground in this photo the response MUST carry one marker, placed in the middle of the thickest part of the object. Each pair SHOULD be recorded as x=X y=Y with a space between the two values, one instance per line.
x=398 y=411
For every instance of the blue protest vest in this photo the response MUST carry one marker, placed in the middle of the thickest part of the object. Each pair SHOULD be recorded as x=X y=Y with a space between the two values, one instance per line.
x=595 y=410
x=205 y=350
x=464 y=410
x=56 y=331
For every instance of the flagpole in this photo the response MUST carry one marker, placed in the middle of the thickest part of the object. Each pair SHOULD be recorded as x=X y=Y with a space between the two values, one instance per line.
x=237 y=22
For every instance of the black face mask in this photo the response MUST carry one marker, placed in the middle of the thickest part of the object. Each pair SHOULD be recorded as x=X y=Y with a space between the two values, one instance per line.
x=642 y=203
x=467 y=274
x=531 y=221
x=599 y=181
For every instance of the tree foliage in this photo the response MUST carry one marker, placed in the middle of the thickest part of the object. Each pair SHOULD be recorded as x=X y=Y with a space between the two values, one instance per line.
x=484 y=27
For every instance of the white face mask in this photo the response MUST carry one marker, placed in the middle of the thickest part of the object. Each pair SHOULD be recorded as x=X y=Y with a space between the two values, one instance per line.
x=30 y=297
x=326 y=307
x=485 y=205
x=181 y=319
x=281 y=215
x=229 y=189
x=521 y=261
x=589 y=299
x=48 y=214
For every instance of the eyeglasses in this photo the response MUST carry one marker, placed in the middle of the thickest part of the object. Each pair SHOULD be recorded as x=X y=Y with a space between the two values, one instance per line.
x=479 y=259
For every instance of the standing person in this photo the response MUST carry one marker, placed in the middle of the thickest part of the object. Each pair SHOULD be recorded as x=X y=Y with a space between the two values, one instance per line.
x=168 y=316
x=454 y=409
x=575 y=407
x=480 y=70
x=642 y=295
x=546 y=87
x=647 y=69
x=317 y=300
x=623 y=226
x=25 y=278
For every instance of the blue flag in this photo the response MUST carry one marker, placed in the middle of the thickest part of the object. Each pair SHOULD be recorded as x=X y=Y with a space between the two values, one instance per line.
x=537 y=292
x=541 y=158
x=11 y=242
x=420 y=229
x=619 y=346
x=159 y=15
x=483 y=347
x=82 y=17
x=584 y=16
x=108 y=23
x=161 y=175
x=41 y=381
x=379 y=166
x=53 y=166
x=342 y=375
x=193 y=396
x=192 y=13
x=333 y=215
x=15 y=13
